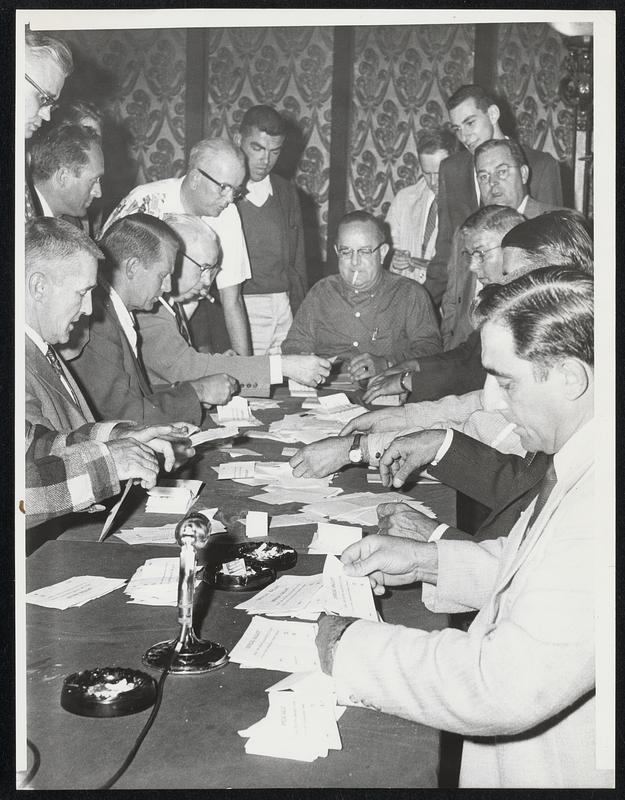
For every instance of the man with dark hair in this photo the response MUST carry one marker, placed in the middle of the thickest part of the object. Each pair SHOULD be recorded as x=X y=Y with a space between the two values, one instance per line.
x=48 y=63
x=365 y=316
x=519 y=685
x=209 y=189
x=78 y=112
x=272 y=222
x=474 y=116
x=413 y=213
x=66 y=167
x=140 y=253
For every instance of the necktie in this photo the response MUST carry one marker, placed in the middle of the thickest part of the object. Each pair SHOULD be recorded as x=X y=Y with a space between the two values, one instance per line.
x=56 y=365
x=546 y=487
x=182 y=323
x=430 y=224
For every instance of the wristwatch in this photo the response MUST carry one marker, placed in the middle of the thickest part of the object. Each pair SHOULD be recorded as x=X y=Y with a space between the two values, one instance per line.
x=355 y=451
x=402 y=381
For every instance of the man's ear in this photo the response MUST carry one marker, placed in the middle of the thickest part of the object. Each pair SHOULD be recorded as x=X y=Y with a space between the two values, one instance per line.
x=237 y=139
x=37 y=286
x=576 y=377
x=383 y=251
x=62 y=175
x=130 y=266
x=493 y=113
x=525 y=173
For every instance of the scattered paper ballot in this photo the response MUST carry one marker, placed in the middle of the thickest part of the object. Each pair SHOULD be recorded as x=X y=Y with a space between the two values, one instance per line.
x=201 y=437
x=233 y=470
x=237 y=410
x=301 y=390
x=374 y=477
x=333 y=539
x=262 y=404
x=296 y=727
x=292 y=520
x=336 y=402
x=288 y=452
x=173 y=496
x=235 y=567
x=290 y=596
x=165 y=534
x=155 y=583
x=387 y=400
x=256 y=524
x=277 y=644
x=345 y=595
x=237 y=452
x=75 y=591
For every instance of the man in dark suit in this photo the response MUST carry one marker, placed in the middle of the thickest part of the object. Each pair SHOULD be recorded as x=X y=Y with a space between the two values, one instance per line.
x=475 y=116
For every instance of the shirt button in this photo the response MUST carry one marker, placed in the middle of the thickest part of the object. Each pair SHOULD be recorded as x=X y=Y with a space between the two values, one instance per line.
x=357 y=314
x=355 y=344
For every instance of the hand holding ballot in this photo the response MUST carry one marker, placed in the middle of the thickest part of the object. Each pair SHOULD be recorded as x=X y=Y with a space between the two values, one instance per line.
x=321 y=458
x=400 y=519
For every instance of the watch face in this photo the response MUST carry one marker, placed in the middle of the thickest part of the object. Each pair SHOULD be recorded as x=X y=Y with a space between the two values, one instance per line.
x=355 y=455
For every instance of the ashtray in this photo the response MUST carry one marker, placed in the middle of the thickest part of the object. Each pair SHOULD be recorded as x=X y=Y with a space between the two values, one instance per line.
x=256 y=577
x=267 y=554
x=108 y=692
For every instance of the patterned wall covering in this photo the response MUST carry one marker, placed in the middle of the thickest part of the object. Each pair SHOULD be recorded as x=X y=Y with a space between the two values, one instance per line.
x=530 y=66
x=401 y=76
x=138 y=76
x=290 y=69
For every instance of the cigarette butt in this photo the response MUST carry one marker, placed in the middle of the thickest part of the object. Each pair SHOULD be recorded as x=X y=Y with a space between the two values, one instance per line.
x=355 y=278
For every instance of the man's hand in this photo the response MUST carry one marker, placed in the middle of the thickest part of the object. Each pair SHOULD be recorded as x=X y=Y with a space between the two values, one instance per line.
x=134 y=460
x=365 y=366
x=310 y=370
x=399 y=519
x=171 y=441
x=384 y=384
x=321 y=458
x=330 y=628
x=391 y=561
x=391 y=419
x=215 y=390
x=406 y=454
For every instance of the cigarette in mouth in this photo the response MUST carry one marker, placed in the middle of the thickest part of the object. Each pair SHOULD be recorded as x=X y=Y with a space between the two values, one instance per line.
x=355 y=278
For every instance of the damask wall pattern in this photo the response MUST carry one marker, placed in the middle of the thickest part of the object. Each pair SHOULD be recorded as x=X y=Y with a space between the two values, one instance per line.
x=402 y=75
x=530 y=65
x=138 y=78
x=289 y=69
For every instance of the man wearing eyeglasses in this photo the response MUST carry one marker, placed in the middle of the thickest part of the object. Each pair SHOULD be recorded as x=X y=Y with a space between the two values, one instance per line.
x=167 y=343
x=367 y=317
x=48 y=63
x=209 y=189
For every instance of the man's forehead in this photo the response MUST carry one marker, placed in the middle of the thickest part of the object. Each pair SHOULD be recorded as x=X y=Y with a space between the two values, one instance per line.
x=495 y=156
x=362 y=230
x=498 y=350
x=224 y=168
x=478 y=235
x=263 y=138
x=467 y=108
x=46 y=72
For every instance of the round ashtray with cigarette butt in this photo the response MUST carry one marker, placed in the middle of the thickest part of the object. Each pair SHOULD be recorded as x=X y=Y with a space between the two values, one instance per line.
x=108 y=692
x=239 y=575
x=267 y=554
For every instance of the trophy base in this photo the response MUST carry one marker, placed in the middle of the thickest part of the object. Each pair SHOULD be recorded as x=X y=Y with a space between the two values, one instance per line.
x=196 y=655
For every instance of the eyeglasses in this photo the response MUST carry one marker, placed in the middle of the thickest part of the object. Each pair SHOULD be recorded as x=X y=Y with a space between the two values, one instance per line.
x=204 y=267
x=363 y=252
x=480 y=255
x=501 y=173
x=238 y=192
x=47 y=101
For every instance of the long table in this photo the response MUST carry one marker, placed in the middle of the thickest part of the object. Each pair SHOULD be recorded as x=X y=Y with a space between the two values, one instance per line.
x=194 y=742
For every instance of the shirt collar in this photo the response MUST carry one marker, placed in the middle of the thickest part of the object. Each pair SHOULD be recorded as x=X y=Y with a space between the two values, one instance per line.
x=36 y=339
x=259 y=191
x=125 y=317
x=576 y=451
x=352 y=294
x=45 y=208
x=521 y=208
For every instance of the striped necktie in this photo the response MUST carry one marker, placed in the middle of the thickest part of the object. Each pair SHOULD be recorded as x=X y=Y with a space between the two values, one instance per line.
x=182 y=322
x=55 y=362
x=430 y=224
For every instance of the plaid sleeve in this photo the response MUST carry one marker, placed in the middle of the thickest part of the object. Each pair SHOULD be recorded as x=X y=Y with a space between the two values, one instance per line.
x=46 y=441
x=71 y=478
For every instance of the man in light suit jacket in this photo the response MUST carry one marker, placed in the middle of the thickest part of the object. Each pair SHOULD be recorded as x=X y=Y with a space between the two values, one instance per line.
x=520 y=684
x=474 y=117
x=166 y=341
x=140 y=252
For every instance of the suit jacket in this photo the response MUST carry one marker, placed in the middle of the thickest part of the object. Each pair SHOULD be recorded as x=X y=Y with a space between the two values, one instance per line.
x=519 y=685
x=457 y=200
x=292 y=240
x=168 y=358
x=455 y=371
x=114 y=381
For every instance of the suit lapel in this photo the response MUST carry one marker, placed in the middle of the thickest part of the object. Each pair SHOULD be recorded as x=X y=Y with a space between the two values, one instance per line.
x=129 y=355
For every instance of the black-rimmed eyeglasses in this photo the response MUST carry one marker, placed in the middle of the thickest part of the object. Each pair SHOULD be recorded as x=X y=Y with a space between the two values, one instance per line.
x=203 y=267
x=47 y=101
x=363 y=252
x=238 y=192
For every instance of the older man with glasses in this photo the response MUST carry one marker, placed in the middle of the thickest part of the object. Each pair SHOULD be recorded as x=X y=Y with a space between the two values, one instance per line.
x=212 y=184
x=48 y=63
x=366 y=317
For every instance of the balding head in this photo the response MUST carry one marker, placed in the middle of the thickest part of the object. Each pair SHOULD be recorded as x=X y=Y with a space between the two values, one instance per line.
x=198 y=259
x=214 y=177
x=48 y=62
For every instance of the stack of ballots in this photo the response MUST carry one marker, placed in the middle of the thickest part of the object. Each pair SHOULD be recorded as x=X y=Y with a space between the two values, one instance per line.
x=173 y=496
x=155 y=583
x=321 y=420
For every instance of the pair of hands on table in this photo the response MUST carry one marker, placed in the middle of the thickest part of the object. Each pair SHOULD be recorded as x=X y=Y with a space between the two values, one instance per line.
x=365 y=366
x=389 y=381
x=138 y=449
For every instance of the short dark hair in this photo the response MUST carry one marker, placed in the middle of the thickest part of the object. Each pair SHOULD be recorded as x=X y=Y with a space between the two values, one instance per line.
x=51 y=239
x=61 y=146
x=471 y=91
x=549 y=312
x=429 y=140
x=73 y=112
x=40 y=45
x=493 y=218
x=561 y=236
x=139 y=236
x=363 y=217
x=514 y=149
x=265 y=119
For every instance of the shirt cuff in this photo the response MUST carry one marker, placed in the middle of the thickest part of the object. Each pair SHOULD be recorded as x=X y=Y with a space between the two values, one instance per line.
x=102 y=430
x=438 y=532
x=442 y=450
x=275 y=369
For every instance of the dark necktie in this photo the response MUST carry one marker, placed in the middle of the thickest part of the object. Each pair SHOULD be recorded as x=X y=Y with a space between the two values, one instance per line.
x=182 y=323
x=56 y=365
x=546 y=487
x=430 y=224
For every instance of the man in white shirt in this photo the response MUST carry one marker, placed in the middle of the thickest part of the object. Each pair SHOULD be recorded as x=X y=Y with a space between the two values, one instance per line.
x=519 y=684
x=213 y=182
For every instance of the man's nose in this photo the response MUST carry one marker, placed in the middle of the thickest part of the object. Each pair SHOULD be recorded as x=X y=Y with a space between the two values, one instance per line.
x=474 y=262
x=44 y=112
x=493 y=399
x=96 y=190
x=87 y=307
x=228 y=194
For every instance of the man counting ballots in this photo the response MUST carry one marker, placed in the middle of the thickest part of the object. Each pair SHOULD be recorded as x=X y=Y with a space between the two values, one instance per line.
x=519 y=684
